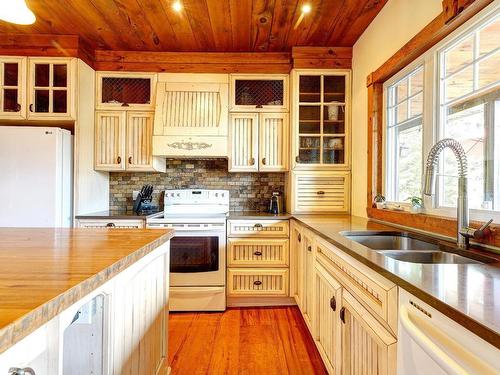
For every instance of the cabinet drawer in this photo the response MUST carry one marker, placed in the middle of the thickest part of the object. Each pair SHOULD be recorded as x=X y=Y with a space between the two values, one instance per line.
x=321 y=191
x=117 y=224
x=264 y=228
x=257 y=282
x=257 y=252
x=370 y=288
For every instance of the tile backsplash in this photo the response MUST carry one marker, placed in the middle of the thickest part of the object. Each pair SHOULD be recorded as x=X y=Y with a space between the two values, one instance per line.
x=248 y=191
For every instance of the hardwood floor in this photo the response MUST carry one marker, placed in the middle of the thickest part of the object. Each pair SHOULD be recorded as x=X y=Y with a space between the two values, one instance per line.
x=242 y=341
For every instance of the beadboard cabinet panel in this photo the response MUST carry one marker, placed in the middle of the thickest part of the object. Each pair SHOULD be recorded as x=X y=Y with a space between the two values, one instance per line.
x=257 y=282
x=139 y=140
x=273 y=142
x=110 y=141
x=250 y=252
x=328 y=299
x=264 y=228
x=244 y=138
x=319 y=192
x=367 y=348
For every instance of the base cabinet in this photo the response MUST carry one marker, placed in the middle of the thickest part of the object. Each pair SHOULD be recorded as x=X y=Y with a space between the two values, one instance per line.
x=327 y=327
x=367 y=347
x=352 y=337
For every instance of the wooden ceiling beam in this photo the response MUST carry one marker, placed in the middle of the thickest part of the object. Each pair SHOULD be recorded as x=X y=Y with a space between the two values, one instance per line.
x=322 y=57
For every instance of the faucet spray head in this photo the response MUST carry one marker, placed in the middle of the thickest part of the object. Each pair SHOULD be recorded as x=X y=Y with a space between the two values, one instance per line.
x=429 y=180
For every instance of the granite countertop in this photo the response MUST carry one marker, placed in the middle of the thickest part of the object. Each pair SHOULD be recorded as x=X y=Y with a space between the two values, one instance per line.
x=467 y=293
x=43 y=271
x=256 y=215
x=118 y=214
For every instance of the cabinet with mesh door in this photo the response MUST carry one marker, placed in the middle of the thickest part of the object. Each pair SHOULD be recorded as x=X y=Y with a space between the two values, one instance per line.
x=259 y=93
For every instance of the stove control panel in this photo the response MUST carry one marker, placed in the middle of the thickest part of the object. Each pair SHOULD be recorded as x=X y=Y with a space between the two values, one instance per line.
x=196 y=197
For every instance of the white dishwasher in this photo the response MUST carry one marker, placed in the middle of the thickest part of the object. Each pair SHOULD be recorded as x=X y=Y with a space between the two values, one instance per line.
x=430 y=343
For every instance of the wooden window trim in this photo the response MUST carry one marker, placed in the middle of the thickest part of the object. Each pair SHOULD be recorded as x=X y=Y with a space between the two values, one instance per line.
x=455 y=13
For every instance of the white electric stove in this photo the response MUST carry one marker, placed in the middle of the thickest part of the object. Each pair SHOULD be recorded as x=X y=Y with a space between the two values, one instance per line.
x=198 y=249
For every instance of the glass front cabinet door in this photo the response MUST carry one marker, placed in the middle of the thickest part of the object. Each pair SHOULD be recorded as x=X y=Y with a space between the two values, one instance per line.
x=321 y=118
x=51 y=85
x=12 y=87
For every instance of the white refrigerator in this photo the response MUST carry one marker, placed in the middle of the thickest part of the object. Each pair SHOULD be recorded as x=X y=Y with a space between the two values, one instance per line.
x=36 y=177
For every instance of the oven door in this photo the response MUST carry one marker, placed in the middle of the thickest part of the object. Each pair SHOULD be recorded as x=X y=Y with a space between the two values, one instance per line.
x=198 y=257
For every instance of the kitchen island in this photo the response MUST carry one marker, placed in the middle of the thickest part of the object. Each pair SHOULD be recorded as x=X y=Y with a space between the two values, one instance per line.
x=60 y=287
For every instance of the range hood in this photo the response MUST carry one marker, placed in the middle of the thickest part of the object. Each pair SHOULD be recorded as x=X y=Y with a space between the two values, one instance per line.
x=191 y=116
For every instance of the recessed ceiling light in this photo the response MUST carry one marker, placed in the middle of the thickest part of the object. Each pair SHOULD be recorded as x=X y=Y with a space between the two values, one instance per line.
x=177 y=6
x=306 y=8
x=16 y=11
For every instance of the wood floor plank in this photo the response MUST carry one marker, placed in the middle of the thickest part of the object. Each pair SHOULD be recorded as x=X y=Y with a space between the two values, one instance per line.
x=242 y=341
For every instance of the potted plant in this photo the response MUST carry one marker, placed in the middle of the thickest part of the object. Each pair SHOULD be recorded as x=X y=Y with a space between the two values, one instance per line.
x=379 y=201
x=416 y=204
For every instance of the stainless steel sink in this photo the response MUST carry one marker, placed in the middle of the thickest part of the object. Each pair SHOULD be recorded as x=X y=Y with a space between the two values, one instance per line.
x=419 y=256
x=415 y=248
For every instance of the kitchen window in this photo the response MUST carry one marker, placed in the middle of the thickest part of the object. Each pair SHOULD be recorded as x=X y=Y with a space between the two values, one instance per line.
x=404 y=132
x=453 y=91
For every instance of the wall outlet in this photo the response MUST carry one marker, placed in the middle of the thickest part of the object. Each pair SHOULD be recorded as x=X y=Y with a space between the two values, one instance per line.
x=135 y=193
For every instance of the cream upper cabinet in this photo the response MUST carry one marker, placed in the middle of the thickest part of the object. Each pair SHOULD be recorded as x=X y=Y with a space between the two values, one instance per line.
x=368 y=347
x=123 y=141
x=327 y=334
x=258 y=142
x=12 y=87
x=259 y=93
x=51 y=88
x=110 y=141
x=273 y=142
x=320 y=191
x=125 y=90
x=244 y=142
x=321 y=119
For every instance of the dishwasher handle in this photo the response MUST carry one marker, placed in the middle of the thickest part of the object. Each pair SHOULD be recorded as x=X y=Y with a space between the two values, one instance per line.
x=448 y=364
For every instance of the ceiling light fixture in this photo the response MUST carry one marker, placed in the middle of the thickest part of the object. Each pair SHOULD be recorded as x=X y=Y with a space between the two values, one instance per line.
x=16 y=11
x=177 y=6
x=306 y=8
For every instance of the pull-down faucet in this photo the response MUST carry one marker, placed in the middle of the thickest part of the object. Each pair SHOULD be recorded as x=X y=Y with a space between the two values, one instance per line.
x=464 y=232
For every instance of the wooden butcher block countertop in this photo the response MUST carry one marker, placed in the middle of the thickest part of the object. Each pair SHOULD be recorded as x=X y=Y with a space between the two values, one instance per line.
x=43 y=271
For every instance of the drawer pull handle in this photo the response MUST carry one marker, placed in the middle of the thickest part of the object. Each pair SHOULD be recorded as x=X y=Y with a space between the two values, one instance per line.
x=321 y=192
x=309 y=248
x=130 y=159
x=333 y=303
x=257 y=253
x=300 y=238
x=342 y=314
x=110 y=225
x=252 y=161
x=263 y=161
x=118 y=160
x=258 y=225
x=257 y=282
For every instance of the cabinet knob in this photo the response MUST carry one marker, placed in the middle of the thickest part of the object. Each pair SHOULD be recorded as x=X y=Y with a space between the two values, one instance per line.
x=130 y=159
x=21 y=371
x=252 y=161
x=119 y=160
x=31 y=107
x=257 y=253
x=309 y=248
x=257 y=282
x=342 y=314
x=258 y=106
x=297 y=159
x=125 y=105
x=264 y=161
x=258 y=225
x=18 y=107
x=321 y=192
x=333 y=303
x=300 y=237
x=110 y=225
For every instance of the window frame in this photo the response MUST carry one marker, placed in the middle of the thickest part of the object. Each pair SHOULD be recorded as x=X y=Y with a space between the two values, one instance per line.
x=433 y=112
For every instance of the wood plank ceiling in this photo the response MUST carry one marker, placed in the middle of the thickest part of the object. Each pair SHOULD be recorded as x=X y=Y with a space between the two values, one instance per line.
x=203 y=25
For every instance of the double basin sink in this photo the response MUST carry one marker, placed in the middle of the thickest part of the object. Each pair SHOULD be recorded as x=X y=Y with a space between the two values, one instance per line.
x=408 y=247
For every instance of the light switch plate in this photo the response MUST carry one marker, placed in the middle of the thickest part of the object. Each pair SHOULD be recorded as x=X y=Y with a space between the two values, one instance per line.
x=135 y=193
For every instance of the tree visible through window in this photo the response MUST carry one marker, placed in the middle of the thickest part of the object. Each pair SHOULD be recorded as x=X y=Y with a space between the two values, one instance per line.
x=404 y=142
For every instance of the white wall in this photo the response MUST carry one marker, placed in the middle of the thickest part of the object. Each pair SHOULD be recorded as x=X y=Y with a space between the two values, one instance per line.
x=91 y=187
x=395 y=25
